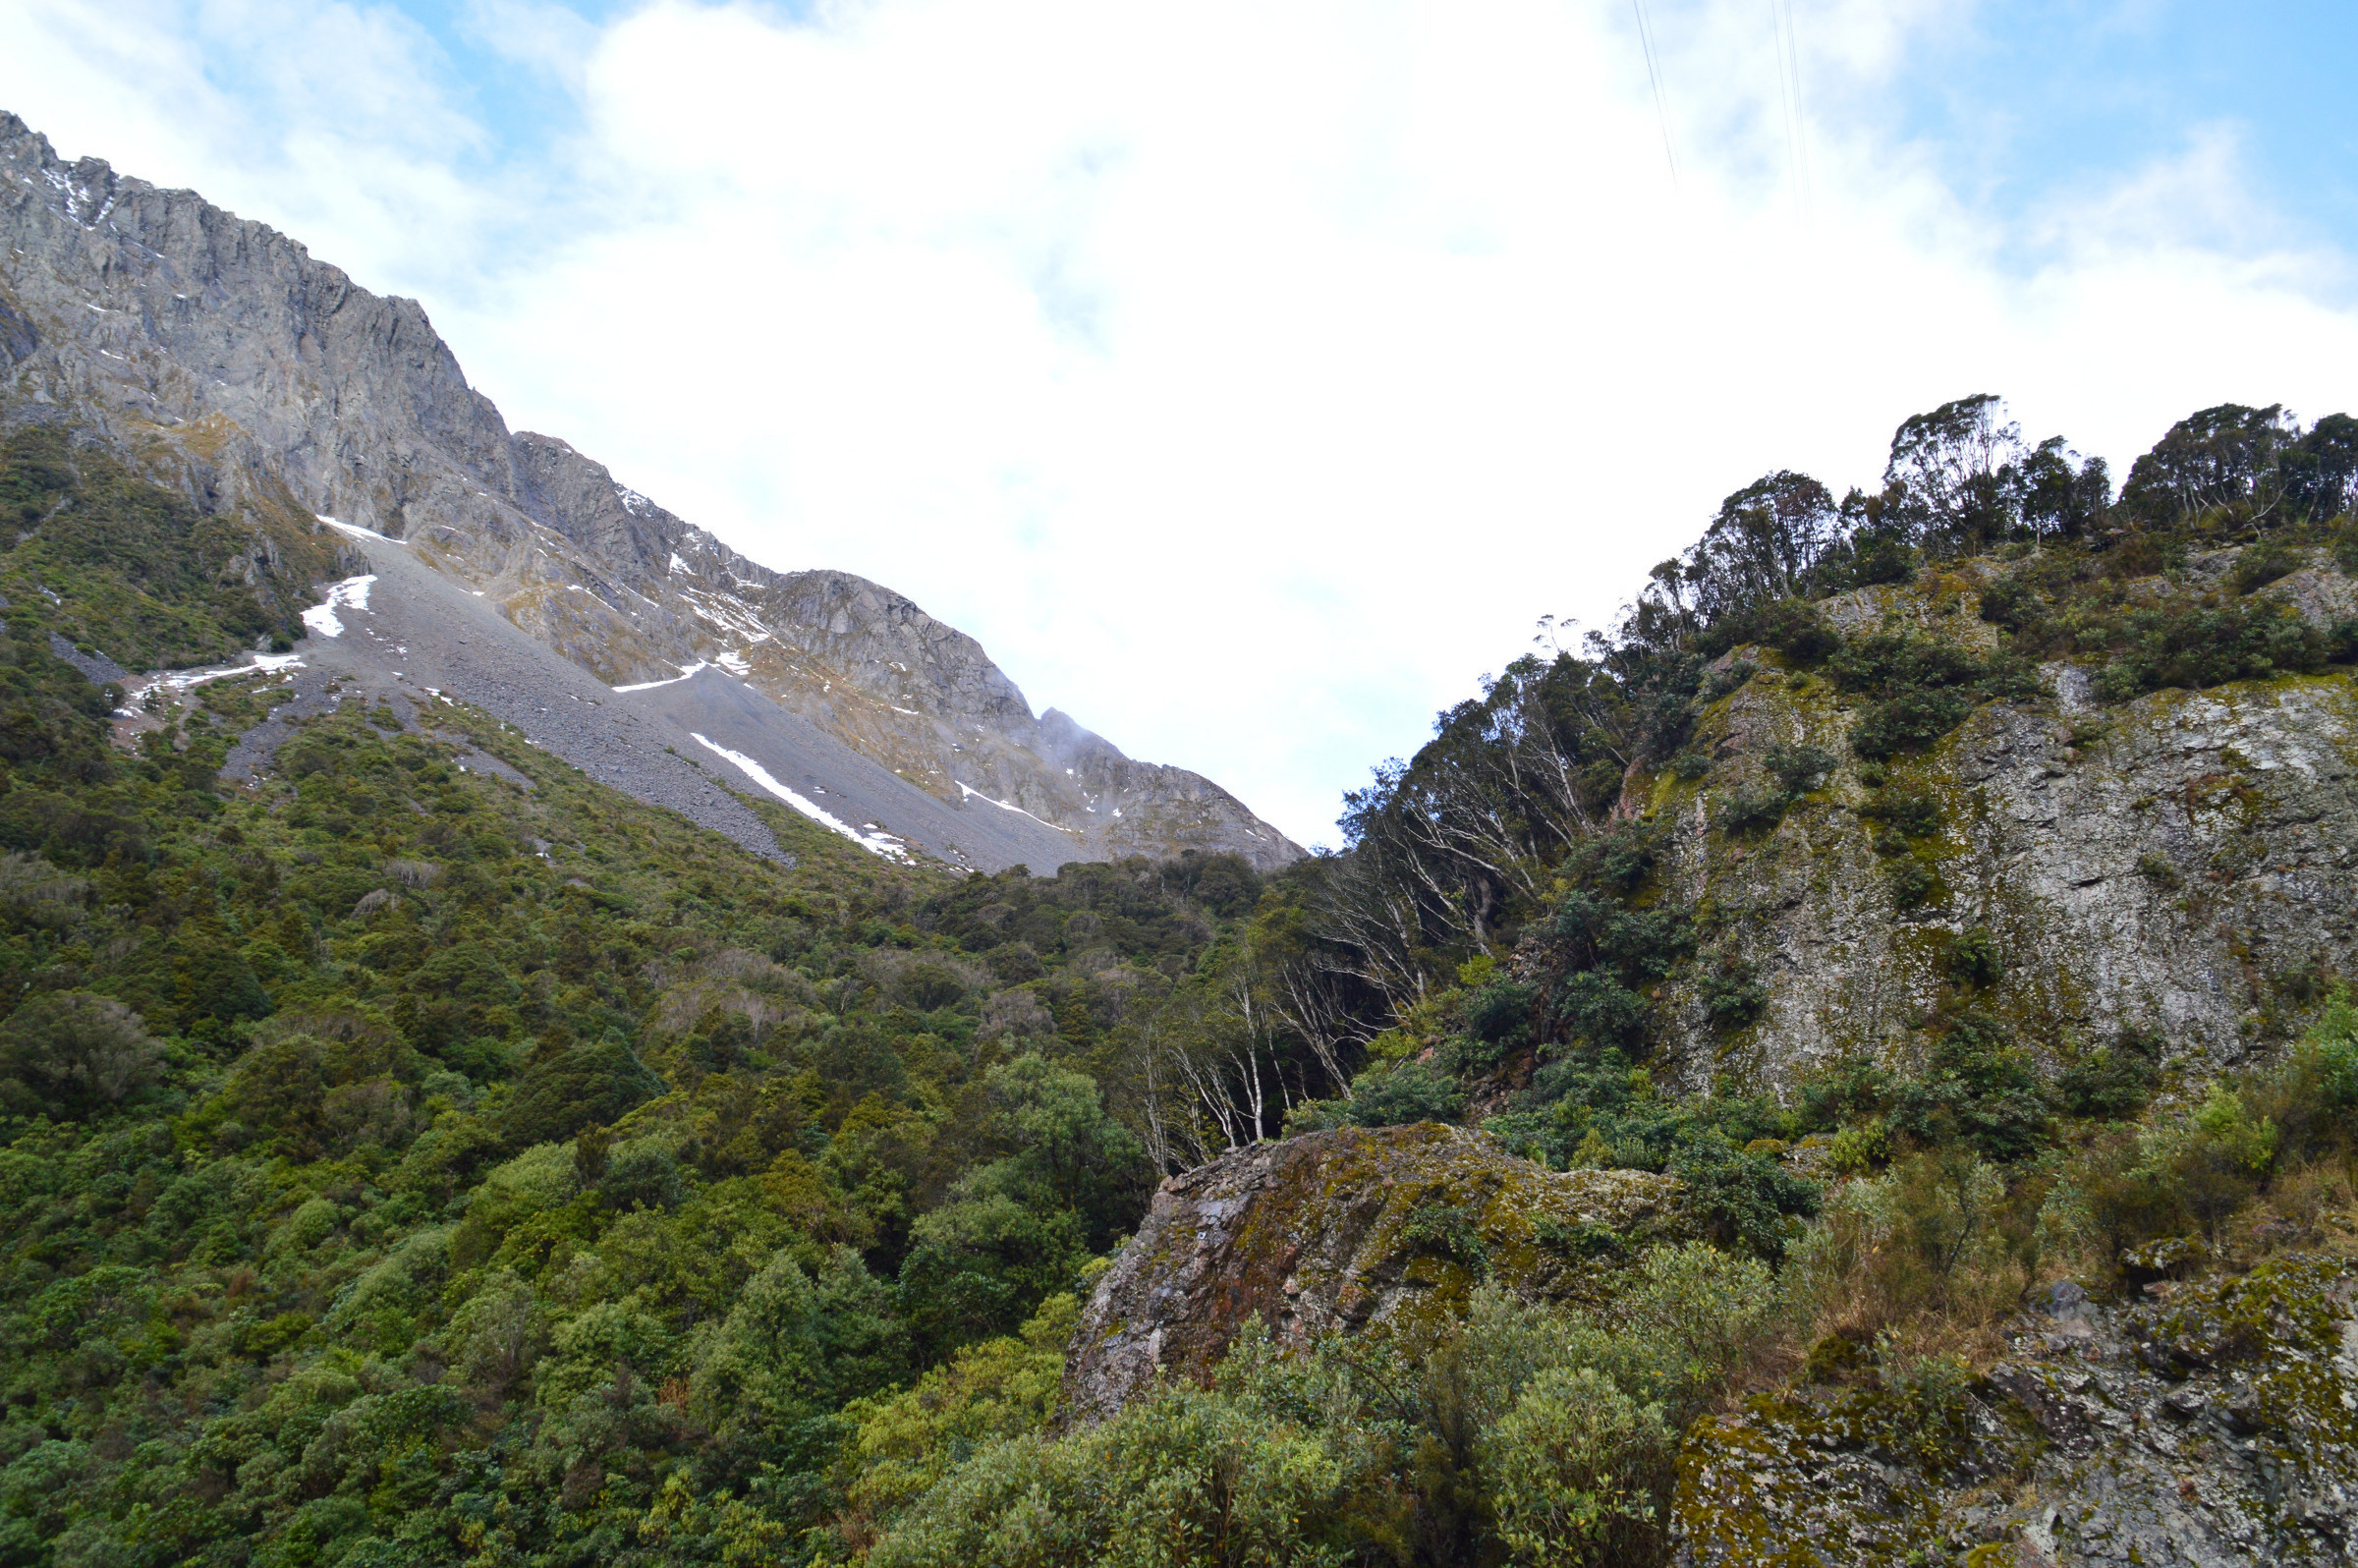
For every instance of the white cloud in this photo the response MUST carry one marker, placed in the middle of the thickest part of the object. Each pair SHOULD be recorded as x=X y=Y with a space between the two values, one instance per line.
x=1245 y=378
x=540 y=33
x=326 y=119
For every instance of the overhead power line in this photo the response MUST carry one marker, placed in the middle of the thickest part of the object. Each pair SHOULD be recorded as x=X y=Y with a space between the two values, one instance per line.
x=1788 y=81
x=1654 y=74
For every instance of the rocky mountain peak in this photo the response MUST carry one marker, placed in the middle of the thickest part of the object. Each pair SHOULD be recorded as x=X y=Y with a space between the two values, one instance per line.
x=218 y=355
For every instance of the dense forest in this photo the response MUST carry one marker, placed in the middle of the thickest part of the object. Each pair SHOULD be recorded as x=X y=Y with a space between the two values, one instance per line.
x=408 y=1162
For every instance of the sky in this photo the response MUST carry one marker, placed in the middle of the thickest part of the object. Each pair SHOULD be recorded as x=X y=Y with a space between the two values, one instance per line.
x=1250 y=378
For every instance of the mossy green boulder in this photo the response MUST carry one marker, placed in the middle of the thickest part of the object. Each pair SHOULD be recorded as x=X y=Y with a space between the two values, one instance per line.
x=1383 y=1230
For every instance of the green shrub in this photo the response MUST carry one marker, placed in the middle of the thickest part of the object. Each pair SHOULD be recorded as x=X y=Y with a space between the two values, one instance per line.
x=2189 y=1170
x=1910 y=814
x=1220 y=1476
x=1846 y=1092
x=642 y=1173
x=1532 y=1435
x=2181 y=643
x=1742 y=1200
x=1566 y=1468
x=1691 y=1319
x=1912 y=883
x=1731 y=991
x=1858 y=1149
x=797 y=1344
x=1971 y=959
x=1733 y=677
x=1449 y=1231
x=2008 y=602
x=1918 y=689
x=1922 y=1248
x=1612 y=956
x=2314 y=1096
x=1408 y=1092
x=1977 y=1088
x=980 y=1264
x=1927 y=1409
x=2264 y=563
x=2113 y=1081
x=1796 y=629
x=1500 y=1015
x=71 y=1052
x=567 y=1091
x=1752 y=813
x=316 y=1084
x=1799 y=768
x=905 y=1442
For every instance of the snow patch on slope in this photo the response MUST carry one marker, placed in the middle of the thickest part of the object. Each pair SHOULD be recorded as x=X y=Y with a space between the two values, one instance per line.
x=350 y=595
x=685 y=672
x=972 y=794
x=177 y=682
x=357 y=531
x=874 y=839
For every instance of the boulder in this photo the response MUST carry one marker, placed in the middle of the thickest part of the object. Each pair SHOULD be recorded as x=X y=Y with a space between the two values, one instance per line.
x=1362 y=1229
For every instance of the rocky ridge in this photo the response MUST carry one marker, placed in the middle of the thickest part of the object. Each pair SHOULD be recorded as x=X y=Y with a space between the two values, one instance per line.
x=221 y=358
x=2175 y=862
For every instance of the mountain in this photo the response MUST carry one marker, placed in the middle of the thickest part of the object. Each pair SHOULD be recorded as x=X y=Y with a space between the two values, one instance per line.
x=218 y=355
x=1854 y=1065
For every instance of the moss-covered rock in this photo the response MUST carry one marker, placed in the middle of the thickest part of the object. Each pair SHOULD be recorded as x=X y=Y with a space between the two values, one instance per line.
x=2216 y=1426
x=1380 y=1229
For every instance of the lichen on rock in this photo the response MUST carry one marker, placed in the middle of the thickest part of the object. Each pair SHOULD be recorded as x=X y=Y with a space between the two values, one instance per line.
x=2163 y=863
x=2213 y=1426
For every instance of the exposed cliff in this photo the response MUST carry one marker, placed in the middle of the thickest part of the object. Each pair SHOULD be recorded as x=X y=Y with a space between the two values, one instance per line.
x=2179 y=862
x=221 y=358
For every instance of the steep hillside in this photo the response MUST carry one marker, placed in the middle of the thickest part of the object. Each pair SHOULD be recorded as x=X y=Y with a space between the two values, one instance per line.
x=1939 y=902
x=415 y=1150
x=218 y=357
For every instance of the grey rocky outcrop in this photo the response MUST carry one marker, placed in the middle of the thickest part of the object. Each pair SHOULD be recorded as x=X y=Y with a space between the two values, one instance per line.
x=2184 y=862
x=220 y=358
x=2214 y=1424
x=1382 y=1230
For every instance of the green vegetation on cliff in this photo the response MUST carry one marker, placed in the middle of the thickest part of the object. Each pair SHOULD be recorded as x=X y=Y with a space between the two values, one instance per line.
x=1546 y=925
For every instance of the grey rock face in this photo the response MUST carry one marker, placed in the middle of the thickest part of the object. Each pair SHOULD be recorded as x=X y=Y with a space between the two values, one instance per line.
x=418 y=636
x=220 y=358
x=18 y=339
x=2216 y=1427
x=2180 y=862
